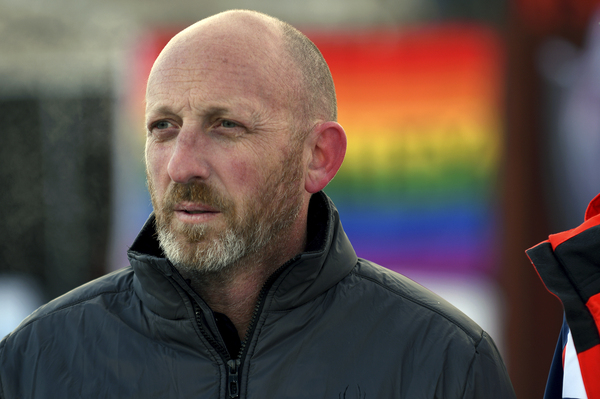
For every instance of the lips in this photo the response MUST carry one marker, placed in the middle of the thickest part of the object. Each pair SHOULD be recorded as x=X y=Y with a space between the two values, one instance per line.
x=190 y=207
x=192 y=212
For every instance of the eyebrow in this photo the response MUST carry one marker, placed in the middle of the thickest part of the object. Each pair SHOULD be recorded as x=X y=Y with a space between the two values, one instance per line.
x=213 y=111
x=162 y=110
x=167 y=110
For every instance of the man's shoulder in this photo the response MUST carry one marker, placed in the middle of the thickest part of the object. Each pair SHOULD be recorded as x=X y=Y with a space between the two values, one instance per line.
x=117 y=282
x=412 y=297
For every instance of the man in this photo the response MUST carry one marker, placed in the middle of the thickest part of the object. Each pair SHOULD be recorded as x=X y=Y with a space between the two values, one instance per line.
x=568 y=264
x=242 y=283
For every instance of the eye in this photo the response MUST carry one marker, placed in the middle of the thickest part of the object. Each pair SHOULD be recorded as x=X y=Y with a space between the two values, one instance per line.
x=226 y=128
x=161 y=125
x=162 y=129
x=228 y=124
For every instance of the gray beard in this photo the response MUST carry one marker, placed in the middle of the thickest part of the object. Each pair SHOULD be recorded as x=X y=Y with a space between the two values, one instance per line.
x=214 y=257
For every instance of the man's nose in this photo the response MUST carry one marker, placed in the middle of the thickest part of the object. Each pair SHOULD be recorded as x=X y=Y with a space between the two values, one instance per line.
x=188 y=160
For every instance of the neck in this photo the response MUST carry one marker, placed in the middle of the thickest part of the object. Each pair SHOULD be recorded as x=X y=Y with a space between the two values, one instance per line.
x=234 y=293
x=235 y=290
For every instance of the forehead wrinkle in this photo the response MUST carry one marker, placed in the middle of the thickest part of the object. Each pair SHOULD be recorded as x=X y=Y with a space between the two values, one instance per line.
x=258 y=70
x=169 y=81
x=161 y=107
x=197 y=54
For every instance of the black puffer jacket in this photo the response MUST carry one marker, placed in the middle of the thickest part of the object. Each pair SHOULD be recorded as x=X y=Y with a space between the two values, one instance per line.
x=328 y=325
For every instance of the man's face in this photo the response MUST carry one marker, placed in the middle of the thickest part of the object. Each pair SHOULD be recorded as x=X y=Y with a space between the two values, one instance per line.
x=224 y=174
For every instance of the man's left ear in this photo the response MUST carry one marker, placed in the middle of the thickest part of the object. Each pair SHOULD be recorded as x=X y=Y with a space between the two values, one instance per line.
x=327 y=144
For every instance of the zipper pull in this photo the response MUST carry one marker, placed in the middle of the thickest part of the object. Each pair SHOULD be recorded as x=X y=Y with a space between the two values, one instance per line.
x=233 y=385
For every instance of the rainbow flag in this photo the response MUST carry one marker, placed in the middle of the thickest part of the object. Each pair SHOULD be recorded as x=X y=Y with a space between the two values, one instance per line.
x=422 y=111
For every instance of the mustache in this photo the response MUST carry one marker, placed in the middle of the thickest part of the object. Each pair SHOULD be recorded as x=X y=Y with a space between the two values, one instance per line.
x=197 y=192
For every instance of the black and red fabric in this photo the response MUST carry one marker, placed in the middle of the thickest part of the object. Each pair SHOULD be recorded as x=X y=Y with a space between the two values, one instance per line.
x=569 y=265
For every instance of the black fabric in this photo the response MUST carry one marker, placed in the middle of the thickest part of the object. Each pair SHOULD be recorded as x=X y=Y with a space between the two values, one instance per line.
x=317 y=224
x=147 y=240
x=229 y=334
x=582 y=255
x=564 y=283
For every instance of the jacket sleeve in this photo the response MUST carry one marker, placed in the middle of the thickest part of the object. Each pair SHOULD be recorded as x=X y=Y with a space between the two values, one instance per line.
x=487 y=376
x=569 y=265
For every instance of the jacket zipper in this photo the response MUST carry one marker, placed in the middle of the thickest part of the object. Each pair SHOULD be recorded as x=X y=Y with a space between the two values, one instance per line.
x=260 y=302
x=234 y=365
x=233 y=385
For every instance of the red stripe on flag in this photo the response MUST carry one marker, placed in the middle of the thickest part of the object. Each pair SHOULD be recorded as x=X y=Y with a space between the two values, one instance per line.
x=589 y=363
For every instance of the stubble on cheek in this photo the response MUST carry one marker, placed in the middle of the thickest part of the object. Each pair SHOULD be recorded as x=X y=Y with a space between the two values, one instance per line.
x=194 y=192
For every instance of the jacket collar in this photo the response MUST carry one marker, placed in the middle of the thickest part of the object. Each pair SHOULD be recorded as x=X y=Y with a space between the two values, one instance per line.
x=329 y=257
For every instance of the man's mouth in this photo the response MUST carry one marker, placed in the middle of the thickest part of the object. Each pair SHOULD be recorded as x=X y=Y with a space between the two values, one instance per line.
x=194 y=213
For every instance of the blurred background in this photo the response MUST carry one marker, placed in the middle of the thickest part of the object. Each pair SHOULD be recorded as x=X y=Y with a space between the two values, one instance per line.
x=474 y=132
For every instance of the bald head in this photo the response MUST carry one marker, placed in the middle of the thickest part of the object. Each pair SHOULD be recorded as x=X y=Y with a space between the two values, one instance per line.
x=296 y=75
